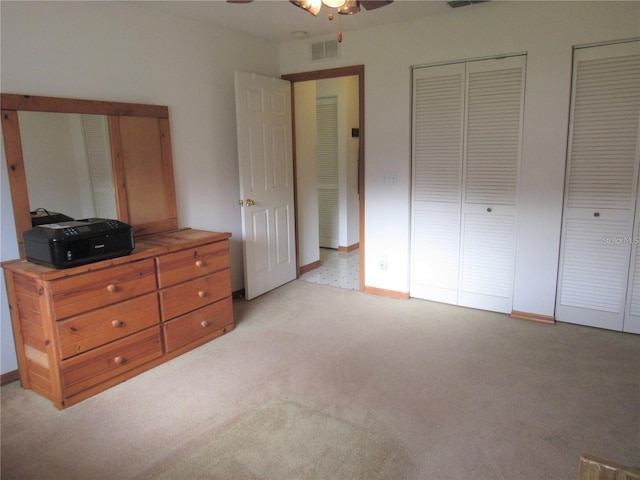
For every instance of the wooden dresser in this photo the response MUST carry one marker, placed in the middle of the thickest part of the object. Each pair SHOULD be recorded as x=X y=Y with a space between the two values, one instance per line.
x=81 y=330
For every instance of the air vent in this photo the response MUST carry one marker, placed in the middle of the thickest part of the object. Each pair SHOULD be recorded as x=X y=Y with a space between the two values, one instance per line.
x=324 y=50
x=464 y=3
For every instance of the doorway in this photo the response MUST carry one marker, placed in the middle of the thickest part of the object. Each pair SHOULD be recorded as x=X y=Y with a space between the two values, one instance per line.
x=343 y=255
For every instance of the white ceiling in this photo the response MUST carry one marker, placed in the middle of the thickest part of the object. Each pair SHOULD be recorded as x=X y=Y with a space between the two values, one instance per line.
x=276 y=20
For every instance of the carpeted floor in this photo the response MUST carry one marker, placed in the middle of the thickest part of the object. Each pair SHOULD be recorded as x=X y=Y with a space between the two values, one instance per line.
x=286 y=441
x=318 y=382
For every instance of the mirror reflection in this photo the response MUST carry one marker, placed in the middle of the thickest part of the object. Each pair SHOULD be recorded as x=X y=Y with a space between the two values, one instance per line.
x=67 y=161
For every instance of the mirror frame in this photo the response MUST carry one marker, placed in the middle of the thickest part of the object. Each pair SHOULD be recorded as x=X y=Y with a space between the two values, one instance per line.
x=12 y=103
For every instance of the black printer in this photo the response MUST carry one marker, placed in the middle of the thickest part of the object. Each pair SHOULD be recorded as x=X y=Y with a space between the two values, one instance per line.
x=77 y=242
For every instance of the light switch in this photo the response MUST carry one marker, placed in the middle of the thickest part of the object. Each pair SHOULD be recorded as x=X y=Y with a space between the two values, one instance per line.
x=390 y=178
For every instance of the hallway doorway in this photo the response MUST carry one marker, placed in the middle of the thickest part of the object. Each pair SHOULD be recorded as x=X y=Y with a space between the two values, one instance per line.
x=349 y=256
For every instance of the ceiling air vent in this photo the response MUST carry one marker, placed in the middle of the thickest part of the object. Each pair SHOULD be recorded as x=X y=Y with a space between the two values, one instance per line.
x=324 y=50
x=464 y=3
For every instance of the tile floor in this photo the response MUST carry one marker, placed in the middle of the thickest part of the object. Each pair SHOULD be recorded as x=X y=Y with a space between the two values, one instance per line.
x=337 y=269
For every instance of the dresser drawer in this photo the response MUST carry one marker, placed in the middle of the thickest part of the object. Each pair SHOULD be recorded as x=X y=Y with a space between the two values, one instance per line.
x=199 y=325
x=90 y=330
x=189 y=296
x=195 y=262
x=80 y=293
x=99 y=365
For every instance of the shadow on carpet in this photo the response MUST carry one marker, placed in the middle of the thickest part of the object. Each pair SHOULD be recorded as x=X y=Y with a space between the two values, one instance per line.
x=285 y=441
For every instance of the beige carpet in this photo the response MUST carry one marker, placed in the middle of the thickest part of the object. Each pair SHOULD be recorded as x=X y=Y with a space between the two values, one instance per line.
x=321 y=383
x=286 y=441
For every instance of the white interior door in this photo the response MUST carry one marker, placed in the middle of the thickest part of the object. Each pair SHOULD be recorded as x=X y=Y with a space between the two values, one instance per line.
x=601 y=189
x=263 y=117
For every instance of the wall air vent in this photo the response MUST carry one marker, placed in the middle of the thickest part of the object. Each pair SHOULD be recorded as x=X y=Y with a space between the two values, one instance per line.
x=464 y=3
x=324 y=50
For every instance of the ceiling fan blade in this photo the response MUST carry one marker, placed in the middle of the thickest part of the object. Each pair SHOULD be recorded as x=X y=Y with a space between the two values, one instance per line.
x=373 y=4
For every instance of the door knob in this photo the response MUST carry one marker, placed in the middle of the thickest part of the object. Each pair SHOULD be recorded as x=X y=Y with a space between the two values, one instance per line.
x=249 y=203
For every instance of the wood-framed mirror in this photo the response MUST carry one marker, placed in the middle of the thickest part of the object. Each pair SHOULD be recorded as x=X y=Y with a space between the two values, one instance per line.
x=132 y=151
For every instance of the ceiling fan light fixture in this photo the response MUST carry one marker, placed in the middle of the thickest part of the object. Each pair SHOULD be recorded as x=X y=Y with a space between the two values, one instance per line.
x=349 y=8
x=311 y=6
x=334 y=3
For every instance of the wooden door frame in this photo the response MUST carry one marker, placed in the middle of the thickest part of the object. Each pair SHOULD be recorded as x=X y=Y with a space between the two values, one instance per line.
x=356 y=70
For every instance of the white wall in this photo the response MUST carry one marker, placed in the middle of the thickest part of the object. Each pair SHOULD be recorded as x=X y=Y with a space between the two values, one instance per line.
x=122 y=52
x=8 y=250
x=546 y=31
x=306 y=173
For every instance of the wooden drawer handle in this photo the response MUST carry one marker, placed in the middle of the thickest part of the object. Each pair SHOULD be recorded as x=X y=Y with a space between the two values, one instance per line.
x=118 y=360
x=202 y=294
x=199 y=263
x=111 y=288
x=204 y=324
x=117 y=323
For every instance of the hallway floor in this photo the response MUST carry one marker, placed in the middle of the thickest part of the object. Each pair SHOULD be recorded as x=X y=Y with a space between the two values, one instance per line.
x=337 y=269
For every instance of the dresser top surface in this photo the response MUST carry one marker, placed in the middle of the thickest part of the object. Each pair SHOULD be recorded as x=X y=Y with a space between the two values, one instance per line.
x=145 y=247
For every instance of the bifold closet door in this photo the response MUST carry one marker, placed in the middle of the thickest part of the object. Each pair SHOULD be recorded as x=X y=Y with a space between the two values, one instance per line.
x=598 y=282
x=493 y=133
x=467 y=130
x=438 y=136
x=632 y=313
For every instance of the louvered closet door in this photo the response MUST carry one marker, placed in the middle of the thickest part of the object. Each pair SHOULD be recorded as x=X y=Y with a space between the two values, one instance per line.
x=96 y=134
x=598 y=277
x=495 y=98
x=438 y=124
x=327 y=168
x=467 y=130
x=632 y=314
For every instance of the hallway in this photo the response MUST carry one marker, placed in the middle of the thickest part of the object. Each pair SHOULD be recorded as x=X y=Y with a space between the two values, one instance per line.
x=337 y=269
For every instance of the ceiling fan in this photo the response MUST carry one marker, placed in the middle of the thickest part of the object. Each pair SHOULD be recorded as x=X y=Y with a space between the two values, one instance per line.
x=345 y=7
